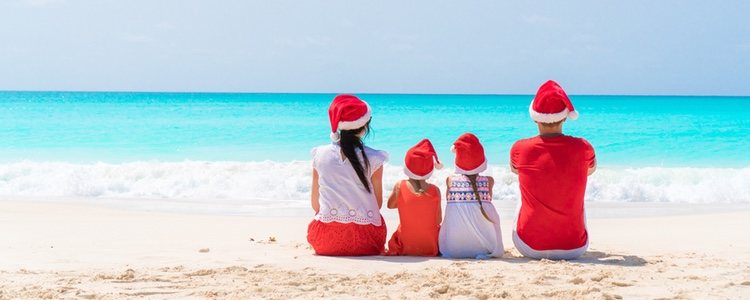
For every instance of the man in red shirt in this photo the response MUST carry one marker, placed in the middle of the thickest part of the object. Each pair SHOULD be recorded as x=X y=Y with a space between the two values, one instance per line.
x=552 y=170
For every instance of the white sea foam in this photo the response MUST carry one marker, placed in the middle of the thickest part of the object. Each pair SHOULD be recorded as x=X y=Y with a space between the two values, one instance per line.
x=247 y=187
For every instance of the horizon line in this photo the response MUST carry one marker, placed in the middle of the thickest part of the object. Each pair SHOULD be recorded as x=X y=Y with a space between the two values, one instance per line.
x=354 y=93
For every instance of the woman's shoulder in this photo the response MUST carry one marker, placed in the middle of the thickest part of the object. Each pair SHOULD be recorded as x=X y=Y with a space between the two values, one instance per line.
x=320 y=149
x=374 y=153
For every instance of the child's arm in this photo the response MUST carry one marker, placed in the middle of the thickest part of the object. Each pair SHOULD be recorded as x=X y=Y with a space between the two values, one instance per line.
x=447 y=187
x=491 y=182
x=377 y=184
x=393 y=198
x=440 y=209
x=315 y=194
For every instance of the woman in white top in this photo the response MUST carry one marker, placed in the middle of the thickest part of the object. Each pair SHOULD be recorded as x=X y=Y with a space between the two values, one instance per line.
x=347 y=186
x=471 y=227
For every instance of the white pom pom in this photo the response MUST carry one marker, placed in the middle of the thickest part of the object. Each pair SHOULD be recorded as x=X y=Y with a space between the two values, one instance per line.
x=453 y=148
x=335 y=136
x=438 y=166
x=573 y=115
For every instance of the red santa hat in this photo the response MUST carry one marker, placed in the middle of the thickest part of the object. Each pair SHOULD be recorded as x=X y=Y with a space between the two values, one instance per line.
x=469 y=155
x=347 y=112
x=421 y=160
x=551 y=104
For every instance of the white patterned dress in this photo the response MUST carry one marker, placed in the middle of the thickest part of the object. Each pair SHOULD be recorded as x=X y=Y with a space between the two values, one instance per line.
x=465 y=232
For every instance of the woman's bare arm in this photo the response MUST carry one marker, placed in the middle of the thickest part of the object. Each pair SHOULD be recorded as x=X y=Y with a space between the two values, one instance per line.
x=315 y=192
x=377 y=184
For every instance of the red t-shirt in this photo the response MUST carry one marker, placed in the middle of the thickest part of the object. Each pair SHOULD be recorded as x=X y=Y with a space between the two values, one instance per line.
x=552 y=173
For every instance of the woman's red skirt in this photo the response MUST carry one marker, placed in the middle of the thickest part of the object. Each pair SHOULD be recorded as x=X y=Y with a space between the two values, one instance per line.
x=347 y=239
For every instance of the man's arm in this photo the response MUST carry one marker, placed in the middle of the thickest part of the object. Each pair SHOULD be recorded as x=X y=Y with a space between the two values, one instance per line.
x=513 y=154
x=592 y=169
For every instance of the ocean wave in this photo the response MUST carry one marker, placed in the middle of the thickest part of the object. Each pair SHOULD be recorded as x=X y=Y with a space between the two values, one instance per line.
x=287 y=184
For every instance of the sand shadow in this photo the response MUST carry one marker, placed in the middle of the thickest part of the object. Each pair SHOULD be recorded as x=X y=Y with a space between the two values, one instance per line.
x=590 y=257
x=393 y=259
x=602 y=258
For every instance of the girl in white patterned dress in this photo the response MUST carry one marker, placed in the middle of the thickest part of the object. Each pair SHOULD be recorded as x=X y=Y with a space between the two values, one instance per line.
x=471 y=226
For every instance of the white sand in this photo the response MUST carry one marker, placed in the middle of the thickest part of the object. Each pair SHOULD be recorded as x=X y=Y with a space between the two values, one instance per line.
x=67 y=251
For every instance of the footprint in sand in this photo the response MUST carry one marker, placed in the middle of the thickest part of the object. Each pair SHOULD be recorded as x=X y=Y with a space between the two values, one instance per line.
x=599 y=277
x=178 y=268
x=612 y=297
x=621 y=284
x=694 y=277
x=577 y=280
x=202 y=272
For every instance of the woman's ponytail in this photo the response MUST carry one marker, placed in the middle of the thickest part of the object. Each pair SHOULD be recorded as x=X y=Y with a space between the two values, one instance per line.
x=349 y=141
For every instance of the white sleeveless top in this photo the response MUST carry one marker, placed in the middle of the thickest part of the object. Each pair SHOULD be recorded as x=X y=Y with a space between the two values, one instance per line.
x=343 y=198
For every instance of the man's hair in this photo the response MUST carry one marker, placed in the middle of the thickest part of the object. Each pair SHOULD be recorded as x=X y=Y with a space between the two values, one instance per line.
x=549 y=125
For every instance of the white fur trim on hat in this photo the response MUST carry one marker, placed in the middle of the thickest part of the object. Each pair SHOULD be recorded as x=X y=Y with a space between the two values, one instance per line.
x=349 y=125
x=551 y=118
x=335 y=136
x=415 y=176
x=476 y=170
x=573 y=115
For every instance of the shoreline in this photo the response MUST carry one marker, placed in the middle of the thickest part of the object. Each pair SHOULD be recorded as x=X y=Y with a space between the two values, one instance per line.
x=72 y=250
x=506 y=209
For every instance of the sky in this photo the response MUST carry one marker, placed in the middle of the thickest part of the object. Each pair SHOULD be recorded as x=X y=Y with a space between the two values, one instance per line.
x=665 y=47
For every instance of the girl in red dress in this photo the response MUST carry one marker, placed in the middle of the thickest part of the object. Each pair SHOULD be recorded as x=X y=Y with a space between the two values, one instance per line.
x=418 y=204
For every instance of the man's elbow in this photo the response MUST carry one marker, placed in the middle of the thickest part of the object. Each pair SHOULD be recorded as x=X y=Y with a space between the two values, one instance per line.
x=591 y=171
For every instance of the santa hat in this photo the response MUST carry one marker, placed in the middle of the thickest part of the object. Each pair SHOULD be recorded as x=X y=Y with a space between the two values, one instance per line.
x=421 y=160
x=347 y=112
x=469 y=155
x=551 y=104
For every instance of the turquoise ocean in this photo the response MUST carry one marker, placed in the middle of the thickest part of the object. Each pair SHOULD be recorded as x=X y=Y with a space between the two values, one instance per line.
x=249 y=153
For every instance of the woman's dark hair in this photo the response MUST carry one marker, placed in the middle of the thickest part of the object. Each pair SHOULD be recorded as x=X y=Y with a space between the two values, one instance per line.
x=349 y=141
x=473 y=180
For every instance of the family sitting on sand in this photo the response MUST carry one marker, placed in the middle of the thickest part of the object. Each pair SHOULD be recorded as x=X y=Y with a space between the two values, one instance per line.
x=347 y=191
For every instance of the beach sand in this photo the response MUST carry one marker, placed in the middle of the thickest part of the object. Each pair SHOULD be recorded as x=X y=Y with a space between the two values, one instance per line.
x=83 y=251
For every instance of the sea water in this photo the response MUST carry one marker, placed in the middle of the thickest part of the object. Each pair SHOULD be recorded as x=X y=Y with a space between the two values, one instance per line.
x=249 y=153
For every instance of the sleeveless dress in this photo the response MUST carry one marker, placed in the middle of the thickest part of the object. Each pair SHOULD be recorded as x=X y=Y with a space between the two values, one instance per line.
x=465 y=232
x=349 y=221
x=417 y=235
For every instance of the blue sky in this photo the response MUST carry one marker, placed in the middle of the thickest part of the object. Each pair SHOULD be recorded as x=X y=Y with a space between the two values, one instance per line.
x=591 y=47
